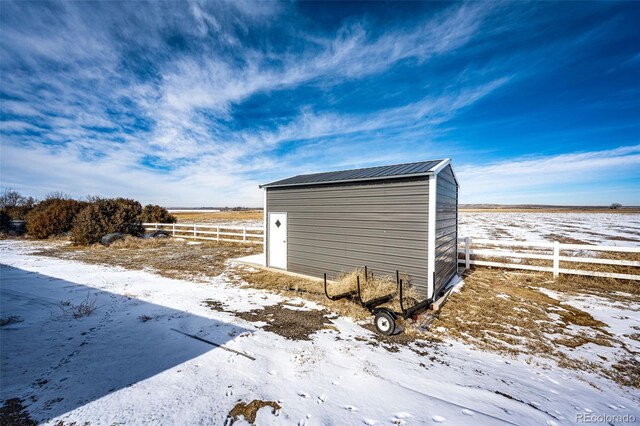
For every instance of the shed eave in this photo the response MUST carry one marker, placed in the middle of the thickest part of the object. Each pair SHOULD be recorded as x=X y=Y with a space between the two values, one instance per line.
x=268 y=185
x=444 y=163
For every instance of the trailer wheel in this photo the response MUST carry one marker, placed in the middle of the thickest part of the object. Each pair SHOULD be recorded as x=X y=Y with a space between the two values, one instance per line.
x=384 y=322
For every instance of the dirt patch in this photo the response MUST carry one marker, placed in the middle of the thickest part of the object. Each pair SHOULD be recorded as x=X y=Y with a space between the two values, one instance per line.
x=292 y=324
x=249 y=411
x=13 y=412
x=167 y=257
x=215 y=305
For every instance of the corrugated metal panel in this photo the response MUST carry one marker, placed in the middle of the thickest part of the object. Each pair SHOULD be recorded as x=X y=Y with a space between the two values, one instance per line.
x=380 y=172
x=335 y=229
x=446 y=228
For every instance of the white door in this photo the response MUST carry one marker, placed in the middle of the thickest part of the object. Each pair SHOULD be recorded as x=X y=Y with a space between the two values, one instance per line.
x=278 y=240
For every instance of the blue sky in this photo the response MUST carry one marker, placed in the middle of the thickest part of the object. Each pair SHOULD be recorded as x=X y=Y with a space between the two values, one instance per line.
x=195 y=104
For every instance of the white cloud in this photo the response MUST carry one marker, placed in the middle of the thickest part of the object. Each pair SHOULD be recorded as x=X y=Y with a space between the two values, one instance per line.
x=536 y=179
x=99 y=123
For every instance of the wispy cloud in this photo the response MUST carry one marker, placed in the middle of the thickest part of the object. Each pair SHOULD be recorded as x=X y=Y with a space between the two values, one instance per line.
x=550 y=178
x=200 y=102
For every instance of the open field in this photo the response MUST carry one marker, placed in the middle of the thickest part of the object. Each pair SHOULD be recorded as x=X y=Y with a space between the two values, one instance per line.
x=579 y=228
x=584 y=228
x=231 y=218
x=103 y=364
x=488 y=208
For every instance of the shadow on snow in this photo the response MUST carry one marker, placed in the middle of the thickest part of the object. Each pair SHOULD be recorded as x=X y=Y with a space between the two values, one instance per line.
x=57 y=363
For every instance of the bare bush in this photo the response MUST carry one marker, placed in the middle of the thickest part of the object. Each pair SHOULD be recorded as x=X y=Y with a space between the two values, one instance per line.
x=15 y=205
x=145 y=318
x=84 y=309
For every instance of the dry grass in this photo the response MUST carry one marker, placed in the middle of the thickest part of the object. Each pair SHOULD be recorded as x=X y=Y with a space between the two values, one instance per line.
x=167 y=257
x=609 y=287
x=249 y=411
x=13 y=412
x=505 y=312
x=212 y=217
x=11 y=319
x=376 y=286
x=292 y=286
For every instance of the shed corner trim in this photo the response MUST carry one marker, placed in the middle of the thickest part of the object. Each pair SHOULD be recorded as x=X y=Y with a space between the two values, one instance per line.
x=444 y=163
x=431 y=243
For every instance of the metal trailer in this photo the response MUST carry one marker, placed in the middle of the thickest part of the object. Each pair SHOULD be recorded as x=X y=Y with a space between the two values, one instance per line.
x=384 y=317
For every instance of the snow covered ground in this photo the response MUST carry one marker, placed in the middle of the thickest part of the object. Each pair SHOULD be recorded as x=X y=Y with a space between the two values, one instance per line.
x=588 y=228
x=125 y=364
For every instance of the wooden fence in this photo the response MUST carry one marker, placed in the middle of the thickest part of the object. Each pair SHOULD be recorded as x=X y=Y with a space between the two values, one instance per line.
x=243 y=234
x=471 y=251
x=548 y=251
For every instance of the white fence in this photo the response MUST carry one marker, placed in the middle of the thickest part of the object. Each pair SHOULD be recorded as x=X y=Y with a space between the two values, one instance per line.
x=468 y=247
x=550 y=251
x=238 y=234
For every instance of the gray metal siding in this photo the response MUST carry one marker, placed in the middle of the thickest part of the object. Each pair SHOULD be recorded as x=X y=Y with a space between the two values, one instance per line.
x=446 y=261
x=337 y=228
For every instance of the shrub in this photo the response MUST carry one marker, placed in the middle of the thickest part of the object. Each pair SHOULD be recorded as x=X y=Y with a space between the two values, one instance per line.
x=106 y=216
x=156 y=214
x=5 y=221
x=53 y=216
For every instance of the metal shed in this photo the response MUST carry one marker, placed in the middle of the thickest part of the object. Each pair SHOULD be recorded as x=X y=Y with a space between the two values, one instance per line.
x=399 y=217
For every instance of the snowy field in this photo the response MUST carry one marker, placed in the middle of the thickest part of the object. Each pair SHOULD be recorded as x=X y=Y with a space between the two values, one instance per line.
x=580 y=228
x=125 y=363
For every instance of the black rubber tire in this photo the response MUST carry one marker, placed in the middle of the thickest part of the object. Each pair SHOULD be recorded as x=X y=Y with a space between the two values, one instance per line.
x=384 y=323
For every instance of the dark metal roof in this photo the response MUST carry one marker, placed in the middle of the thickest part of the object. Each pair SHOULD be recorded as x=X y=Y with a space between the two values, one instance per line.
x=369 y=173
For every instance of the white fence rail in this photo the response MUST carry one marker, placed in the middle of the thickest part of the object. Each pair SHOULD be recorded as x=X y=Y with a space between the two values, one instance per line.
x=554 y=252
x=237 y=234
x=549 y=251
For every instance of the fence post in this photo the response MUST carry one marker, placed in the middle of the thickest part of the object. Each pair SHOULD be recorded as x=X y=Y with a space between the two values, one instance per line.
x=217 y=232
x=467 y=254
x=244 y=234
x=174 y=229
x=556 y=259
x=156 y=226
x=195 y=230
